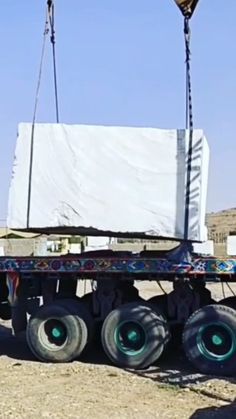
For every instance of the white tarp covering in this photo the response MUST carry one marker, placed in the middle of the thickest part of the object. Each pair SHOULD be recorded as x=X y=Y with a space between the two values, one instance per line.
x=97 y=180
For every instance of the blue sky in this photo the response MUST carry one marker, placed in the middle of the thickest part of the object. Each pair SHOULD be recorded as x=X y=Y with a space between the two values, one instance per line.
x=122 y=63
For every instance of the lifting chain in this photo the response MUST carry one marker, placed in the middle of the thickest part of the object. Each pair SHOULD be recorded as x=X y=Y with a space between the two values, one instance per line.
x=50 y=4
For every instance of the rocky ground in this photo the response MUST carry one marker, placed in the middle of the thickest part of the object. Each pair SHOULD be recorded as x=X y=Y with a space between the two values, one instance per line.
x=92 y=388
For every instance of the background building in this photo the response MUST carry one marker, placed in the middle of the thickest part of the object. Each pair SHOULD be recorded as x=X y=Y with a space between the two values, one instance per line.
x=221 y=225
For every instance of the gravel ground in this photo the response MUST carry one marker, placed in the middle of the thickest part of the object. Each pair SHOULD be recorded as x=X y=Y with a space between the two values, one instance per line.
x=93 y=388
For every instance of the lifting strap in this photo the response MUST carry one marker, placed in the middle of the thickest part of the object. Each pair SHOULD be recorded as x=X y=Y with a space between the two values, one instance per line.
x=48 y=27
x=187 y=8
x=188 y=124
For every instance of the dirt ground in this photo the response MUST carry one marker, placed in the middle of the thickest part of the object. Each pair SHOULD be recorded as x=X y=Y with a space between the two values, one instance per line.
x=92 y=388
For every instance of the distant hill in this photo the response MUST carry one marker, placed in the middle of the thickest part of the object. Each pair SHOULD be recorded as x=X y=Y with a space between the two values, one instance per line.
x=221 y=224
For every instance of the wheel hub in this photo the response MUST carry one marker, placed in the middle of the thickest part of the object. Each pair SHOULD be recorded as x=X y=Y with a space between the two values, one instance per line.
x=53 y=334
x=216 y=342
x=130 y=338
x=57 y=332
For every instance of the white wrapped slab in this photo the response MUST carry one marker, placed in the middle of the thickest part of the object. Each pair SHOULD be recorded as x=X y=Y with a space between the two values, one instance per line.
x=113 y=181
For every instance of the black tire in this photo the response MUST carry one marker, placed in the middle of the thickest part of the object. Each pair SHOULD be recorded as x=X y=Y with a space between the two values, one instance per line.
x=80 y=310
x=129 y=292
x=55 y=335
x=134 y=335
x=5 y=310
x=209 y=340
x=87 y=300
x=229 y=302
x=18 y=319
x=159 y=302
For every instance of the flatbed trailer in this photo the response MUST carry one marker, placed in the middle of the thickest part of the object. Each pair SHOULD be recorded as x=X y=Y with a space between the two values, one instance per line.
x=39 y=294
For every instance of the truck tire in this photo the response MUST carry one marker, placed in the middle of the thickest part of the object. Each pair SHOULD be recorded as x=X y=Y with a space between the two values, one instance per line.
x=160 y=303
x=134 y=335
x=79 y=309
x=87 y=300
x=229 y=302
x=18 y=319
x=209 y=340
x=5 y=310
x=55 y=335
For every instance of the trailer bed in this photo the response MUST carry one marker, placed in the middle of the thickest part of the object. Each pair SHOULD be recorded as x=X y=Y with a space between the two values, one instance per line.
x=150 y=266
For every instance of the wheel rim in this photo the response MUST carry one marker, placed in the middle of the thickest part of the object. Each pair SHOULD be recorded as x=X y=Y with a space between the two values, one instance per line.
x=130 y=338
x=216 y=341
x=53 y=334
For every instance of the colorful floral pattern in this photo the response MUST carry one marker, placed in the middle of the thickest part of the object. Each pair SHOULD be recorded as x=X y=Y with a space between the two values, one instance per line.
x=132 y=265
